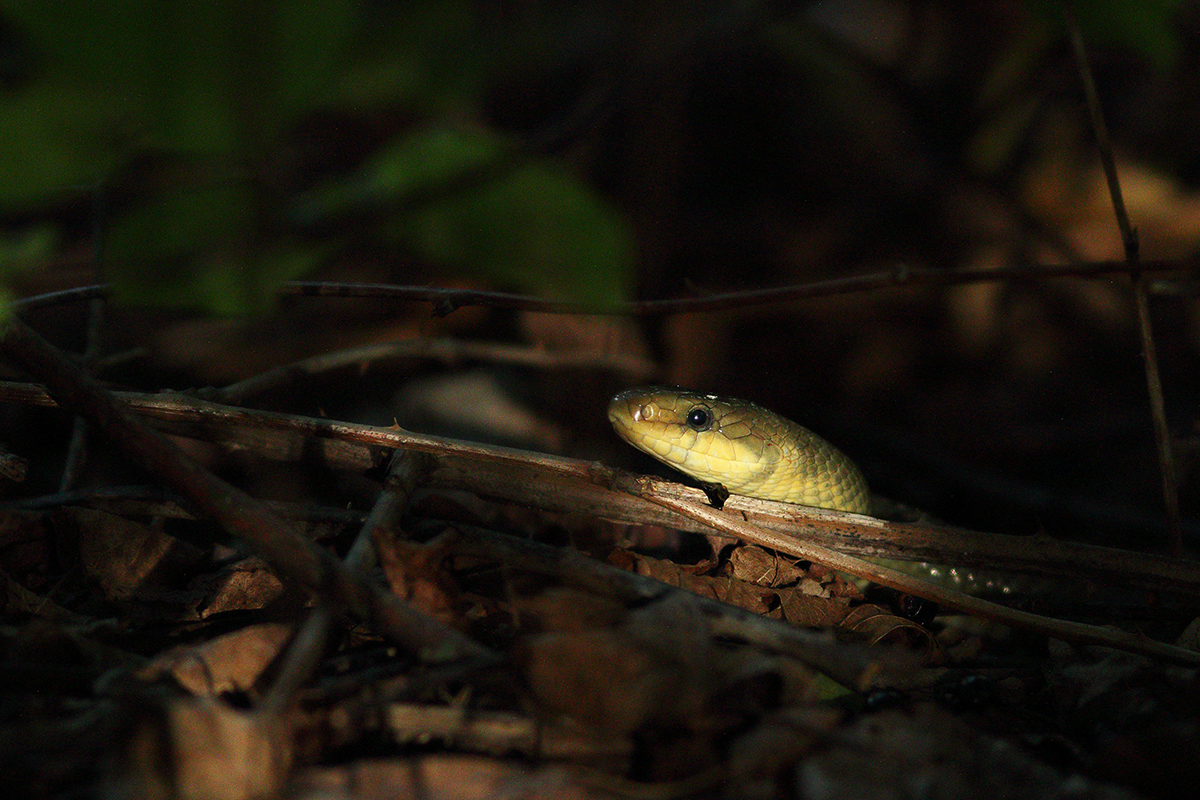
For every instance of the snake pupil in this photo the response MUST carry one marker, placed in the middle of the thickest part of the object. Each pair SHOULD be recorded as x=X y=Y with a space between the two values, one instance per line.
x=699 y=419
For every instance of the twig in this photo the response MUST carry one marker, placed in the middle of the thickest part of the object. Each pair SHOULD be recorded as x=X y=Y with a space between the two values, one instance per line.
x=77 y=448
x=62 y=297
x=564 y=484
x=307 y=648
x=441 y=349
x=1076 y=632
x=154 y=501
x=292 y=556
x=1129 y=237
x=446 y=301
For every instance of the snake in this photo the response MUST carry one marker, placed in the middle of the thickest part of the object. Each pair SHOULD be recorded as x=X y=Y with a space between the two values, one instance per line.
x=735 y=444
x=732 y=445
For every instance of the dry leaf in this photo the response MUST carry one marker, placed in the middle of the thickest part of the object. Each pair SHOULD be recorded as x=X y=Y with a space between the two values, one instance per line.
x=202 y=750
x=604 y=679
x=414 y=572
x=566 y=610
x=246 y=585
x=811 y=610
x=763 y=567
x=879 y=625
x=122 y=555
x=441 y=777
x=227 y=663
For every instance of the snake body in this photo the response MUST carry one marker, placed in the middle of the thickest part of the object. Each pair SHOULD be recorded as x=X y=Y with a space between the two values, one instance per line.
x=745 y=448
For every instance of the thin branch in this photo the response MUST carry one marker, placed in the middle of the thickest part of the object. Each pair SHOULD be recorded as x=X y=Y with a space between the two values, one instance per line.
x=1129 y=237
x=1080 y=633
x=446 y=301
x=305 y=652
x=62 y=297
x=555 y=483
x=77 y=448
x=448 y=350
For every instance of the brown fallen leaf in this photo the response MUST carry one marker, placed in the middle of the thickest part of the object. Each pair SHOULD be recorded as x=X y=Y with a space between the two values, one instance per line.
x=879 y=626
x=439 y=777
x=245 y=585
x=232 y=662
x=123 y=556
x=202 y=750
x=657 y=668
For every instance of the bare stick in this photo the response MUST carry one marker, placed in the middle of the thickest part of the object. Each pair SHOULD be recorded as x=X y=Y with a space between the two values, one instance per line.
x=77 y=450
x=449 y=350
x=309 y=644
x=1129 y=237
x=564 y=484
x=1077 y=632
x=446 y=301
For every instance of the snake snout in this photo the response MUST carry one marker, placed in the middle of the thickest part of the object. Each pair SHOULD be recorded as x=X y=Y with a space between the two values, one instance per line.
x=630 y=407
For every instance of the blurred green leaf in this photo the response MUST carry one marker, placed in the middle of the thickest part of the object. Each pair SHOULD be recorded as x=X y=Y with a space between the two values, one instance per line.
x=1146 y=26
x=186 y=77
x=22 y=250
x=195 y=250
x=416 y=164
x=25 y=248
x=174 y=226
x=310 y=52
x=6 y=307
x=217 y=86
x=537 y=229
x=531 y=225
x=49 y=142
x=224 y=283
x=431 y=55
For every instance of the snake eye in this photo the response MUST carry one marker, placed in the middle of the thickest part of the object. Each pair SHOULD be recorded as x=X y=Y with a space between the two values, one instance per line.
x=699 y=419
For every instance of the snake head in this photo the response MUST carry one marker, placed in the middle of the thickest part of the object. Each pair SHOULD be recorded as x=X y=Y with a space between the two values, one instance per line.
x=704 y=436
x=747 y=449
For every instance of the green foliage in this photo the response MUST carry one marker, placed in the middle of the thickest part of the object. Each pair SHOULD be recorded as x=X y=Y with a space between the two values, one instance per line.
x=211 y=82
x=204 y=92
x=1145 y=26
x=20 y=251
x=196 y=249
x=537 y=229
x=432 y=55
x=476 y=206
x=170 y=75
x=201 y=95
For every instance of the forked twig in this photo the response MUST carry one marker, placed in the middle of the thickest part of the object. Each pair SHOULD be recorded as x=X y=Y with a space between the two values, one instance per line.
x=304 y=654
